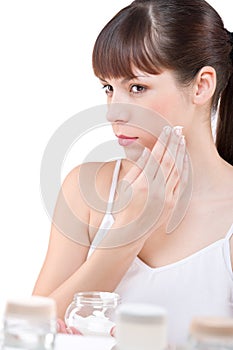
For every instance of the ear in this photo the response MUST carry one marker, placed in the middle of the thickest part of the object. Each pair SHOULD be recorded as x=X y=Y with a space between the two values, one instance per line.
x=204 y=85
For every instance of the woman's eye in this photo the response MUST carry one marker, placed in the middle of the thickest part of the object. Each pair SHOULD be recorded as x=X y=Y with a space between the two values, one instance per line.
x=136 y=89
x=108 y=89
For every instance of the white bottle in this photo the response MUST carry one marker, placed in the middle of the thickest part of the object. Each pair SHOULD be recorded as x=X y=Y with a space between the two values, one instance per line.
x=29 y=323
x=141 y=327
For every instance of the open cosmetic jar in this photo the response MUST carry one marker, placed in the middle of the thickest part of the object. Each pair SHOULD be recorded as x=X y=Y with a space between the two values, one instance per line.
x=93 y=313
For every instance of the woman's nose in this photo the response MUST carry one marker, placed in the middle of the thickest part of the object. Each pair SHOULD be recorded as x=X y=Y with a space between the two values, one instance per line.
x=118 y=112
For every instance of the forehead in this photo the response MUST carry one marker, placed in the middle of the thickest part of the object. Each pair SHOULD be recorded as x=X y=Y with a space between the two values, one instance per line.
x=167 y=76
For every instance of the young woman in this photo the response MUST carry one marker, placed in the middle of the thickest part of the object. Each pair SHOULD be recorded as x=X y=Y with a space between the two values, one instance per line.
x=172 y=58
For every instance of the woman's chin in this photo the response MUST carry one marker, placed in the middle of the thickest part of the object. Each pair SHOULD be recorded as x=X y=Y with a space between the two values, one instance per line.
x=133 y=152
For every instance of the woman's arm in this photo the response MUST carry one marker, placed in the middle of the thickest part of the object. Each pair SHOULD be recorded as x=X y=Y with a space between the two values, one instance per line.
x=101 y=272
x=65 y=270
x=106 y=267
x=69 y=239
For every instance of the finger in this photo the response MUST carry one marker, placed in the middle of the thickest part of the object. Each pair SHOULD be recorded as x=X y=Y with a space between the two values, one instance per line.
x=176 y=173
x=136 y=169
x=157 y=153
x=61 y=326
x=181 y=185
x=181 y=198
x=73 y=330
x=171 y=199
x=170 y=156
x=69 y=330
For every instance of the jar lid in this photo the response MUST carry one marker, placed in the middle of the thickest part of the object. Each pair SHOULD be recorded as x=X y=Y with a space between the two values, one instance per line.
x=141 y=313
x=32 y=307
x=212 y=326
x=98 y=298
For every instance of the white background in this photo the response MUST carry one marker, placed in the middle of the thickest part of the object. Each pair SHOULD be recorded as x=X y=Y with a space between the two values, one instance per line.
x=45 y=78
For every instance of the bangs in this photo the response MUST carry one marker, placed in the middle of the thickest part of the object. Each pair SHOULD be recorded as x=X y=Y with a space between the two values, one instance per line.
x=127 y=43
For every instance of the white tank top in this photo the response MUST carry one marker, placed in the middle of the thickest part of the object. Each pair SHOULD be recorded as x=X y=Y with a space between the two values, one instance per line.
x=198 y=285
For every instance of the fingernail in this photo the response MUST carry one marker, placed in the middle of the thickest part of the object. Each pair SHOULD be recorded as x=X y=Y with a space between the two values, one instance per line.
x=58 y=327
x=167 y=130
x=178 y=130
x=182 y=140
x=186 y=158
x=69 y=331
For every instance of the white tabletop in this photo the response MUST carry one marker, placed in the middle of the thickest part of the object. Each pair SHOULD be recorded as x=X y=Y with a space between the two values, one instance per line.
x=76 y=342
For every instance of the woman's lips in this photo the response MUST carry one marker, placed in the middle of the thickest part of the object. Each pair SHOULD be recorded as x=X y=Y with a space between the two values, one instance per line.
x=124 y=140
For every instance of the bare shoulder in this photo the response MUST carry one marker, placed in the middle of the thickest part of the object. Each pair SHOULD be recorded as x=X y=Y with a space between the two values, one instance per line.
x=87 y=181
x=83 y=189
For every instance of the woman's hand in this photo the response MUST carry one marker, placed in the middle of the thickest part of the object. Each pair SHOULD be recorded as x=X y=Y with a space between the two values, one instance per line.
x=61 y=328
x=149 y=191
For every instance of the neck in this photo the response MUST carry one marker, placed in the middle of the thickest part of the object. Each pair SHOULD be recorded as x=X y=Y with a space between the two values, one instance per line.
x=208 y=168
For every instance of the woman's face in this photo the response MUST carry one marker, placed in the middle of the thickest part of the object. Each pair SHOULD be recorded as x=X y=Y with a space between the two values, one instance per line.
x=140 y=107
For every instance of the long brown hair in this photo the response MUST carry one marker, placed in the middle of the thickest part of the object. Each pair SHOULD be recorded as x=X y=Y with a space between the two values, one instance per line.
x=181 y=35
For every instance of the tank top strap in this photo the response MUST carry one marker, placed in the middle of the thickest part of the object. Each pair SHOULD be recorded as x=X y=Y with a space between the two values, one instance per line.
x=227 y=250
x=113 y=186
x=229 y=233
x=108 y=219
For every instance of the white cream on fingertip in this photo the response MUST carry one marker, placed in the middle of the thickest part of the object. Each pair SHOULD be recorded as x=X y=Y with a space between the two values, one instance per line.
x=182 y=140
x=167 y=129
x=178 y=130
